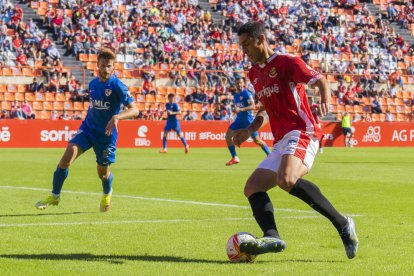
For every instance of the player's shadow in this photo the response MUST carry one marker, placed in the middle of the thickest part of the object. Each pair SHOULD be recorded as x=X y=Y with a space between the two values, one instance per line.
x=115 y=259
x=119 y=259
x=43 y=214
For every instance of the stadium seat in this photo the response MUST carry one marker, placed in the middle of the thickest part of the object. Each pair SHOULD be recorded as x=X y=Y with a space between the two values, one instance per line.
x=37 y=106
x=58 y=106
x=149 y=98
x=160 y=99
x=9 y=96
x=3 y=88
x=162 y=90
x=78 y=106
x=67 y=106
x=30 y=97
x=19 y=97
x=48 y=106
x=39 y=97
x=86 y=105
x=44 y=114
x=50 y=97
x=60 y=97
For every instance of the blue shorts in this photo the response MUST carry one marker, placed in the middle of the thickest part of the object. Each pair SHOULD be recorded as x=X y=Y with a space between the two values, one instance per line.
x=103 y=146
x=236 y=125
x=171 y=126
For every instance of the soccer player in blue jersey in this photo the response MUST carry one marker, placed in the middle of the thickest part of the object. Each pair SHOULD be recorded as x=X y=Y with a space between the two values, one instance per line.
x=99 y=130
x=243 y=107
x=173 y=110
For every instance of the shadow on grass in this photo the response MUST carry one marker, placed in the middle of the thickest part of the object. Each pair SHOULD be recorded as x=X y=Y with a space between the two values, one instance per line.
x=44 y=214
x=119 y=259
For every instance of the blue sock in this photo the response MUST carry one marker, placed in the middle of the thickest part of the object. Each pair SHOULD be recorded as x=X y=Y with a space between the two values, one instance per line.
x=232 y=150
x=184 y=141
x=107 y=184
x=164 y=142
x=59 y=177
x=266 y=149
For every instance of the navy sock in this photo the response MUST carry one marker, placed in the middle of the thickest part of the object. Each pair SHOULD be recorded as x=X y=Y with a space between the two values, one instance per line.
x=310 y=193
x=59 y=177
x=107 y=184
x=232 y=150
x=263 y=213
x=164 y=142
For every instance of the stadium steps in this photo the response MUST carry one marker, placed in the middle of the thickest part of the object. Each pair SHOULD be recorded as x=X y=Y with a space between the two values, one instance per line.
x=375 y=10
x=68 y=61
x=218 y=19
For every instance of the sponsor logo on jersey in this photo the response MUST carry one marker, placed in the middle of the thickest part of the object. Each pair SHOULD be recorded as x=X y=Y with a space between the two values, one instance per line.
x=255 y=81
x=267 y=91
x=108 y=92
x=272 y=72
x=100 y=104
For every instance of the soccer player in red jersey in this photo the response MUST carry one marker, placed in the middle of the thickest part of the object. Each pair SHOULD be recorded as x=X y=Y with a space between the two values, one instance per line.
x=279 y=81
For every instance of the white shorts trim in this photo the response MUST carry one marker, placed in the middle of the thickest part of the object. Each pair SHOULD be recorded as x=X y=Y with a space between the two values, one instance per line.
x=296 y=143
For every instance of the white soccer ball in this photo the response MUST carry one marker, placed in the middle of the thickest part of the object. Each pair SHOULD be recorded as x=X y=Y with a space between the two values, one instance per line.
x=233 y=248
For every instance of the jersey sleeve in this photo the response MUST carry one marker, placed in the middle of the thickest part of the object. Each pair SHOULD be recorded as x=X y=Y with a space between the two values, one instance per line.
x=175 y=107
x=248 y=96
x=300 y=72
x=123 y=93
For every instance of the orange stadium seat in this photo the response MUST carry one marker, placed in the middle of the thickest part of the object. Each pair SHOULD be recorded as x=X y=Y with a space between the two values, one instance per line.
x=162 y=90
x=12 y=88
x=30 y=97
x=180 y=91
x=47 y=105
x=44 y=114
x=21 y=88
x=78 y=106
x=83 y=57
x=93 y=57
x=19 y=97
x=1 y=96
x=171 y=90
x=60 y=97
x=340 y=108
x=39 y=97
x=140 y=98
x=160 y=98
x=358 y=109
x=141 y=106
x=86 y=105
x=3 y=88
x=401 y=117
x=5 y=105
x=9 y=96
x=50 y=97
x=67 y=106
x=58 y=106
x=37 y=105
x=149 y=98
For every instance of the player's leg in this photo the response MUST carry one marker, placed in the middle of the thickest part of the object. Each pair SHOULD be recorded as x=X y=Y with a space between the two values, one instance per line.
x=255 y=190
x=106 y=177
x=299 y=151
x=182 y=138
x=260 y=143
x=105 y=156
x=72 y=152
x=230 y=145
x=167 y=129
x=345 y=132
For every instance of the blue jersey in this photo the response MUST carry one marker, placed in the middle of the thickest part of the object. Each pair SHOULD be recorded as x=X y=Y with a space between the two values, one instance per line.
x=242 y=100
x=172 y=119
x=106 y=99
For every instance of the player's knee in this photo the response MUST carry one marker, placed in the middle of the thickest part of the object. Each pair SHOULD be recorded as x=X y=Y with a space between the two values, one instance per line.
x=286 y=181
x=104 y=177
x=64 y=163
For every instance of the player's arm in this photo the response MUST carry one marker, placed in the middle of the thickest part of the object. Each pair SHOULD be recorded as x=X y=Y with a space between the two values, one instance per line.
x=251 y=106
x=260 y=120
x=322 y=86
x=131 y=111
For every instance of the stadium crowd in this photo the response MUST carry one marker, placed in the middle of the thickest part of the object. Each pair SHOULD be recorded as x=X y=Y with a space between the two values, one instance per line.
x=178 y=40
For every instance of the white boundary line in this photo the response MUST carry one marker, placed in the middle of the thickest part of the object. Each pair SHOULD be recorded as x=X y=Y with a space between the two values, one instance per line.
x=5 y=225
x=168 y=200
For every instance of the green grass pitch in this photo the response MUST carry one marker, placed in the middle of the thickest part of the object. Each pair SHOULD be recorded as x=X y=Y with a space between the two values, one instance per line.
x=172 y=215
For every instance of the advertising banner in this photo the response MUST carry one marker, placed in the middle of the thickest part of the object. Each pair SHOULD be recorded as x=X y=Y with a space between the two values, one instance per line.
x=145 y=134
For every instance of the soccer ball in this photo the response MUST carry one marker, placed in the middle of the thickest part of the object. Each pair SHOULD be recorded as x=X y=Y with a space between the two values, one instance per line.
x=233 y=249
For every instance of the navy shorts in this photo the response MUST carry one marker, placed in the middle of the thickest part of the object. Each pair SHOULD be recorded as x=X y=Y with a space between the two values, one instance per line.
x=103 y=146
x=236 y=125
x=346 y=130
x=176 y=127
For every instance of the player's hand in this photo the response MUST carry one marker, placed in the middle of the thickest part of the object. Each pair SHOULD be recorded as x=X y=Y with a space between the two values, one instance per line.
x=240 y=136
x=113 y=123
x=168 y=112
x=236 y=109
x=322 y=109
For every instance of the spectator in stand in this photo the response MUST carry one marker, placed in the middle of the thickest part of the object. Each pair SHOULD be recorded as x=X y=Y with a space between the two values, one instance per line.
x=158 y=113
x=64 y=116
x=16 y=111
x=54 y=85
x=389 y=117
x=207 y=116
x=350 y=96
x=27 y=110
x=5 y=114
x=187 y=116
x=148 y=87
x=36 y=86
x=376 y=106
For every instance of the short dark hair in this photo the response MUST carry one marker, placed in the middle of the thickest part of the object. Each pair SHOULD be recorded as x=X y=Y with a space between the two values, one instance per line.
x=171 y=95
x=107 y=54
x=252 y=29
